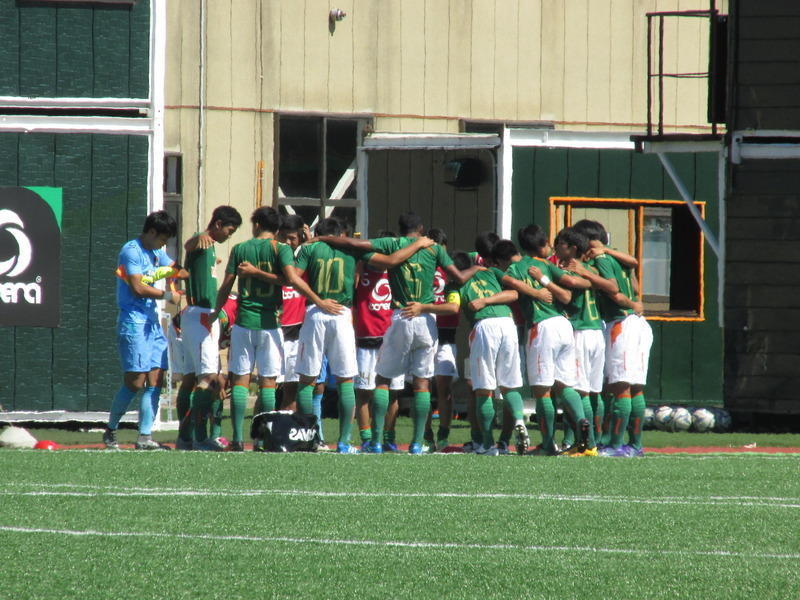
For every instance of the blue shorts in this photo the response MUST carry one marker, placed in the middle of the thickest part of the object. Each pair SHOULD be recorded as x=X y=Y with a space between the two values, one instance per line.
x=142 y=346
x=325 y=375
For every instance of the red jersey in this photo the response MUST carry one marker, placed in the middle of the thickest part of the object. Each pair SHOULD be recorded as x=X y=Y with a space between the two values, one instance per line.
x=439 y=284
x=294 y=306
x=373 y=304
x=229 y=309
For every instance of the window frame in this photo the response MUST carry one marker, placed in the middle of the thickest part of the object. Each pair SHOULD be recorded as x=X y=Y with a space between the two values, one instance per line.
x=636 y=208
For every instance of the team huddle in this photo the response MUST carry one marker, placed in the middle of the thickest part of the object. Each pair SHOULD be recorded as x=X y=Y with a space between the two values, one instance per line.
x=371 y=315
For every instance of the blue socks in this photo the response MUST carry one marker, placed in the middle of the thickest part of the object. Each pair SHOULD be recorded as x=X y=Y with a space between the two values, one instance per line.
x=316 y=409
x=119 y=406
x=148 y=406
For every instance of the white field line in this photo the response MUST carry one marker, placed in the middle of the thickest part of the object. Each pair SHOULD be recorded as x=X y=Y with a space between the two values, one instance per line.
x=94 y=491
x=398 y=544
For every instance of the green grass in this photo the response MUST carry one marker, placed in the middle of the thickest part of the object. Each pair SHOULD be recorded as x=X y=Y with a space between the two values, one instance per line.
x=395 y=526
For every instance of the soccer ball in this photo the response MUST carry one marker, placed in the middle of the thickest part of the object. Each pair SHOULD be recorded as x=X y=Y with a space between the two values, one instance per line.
x=662 y=418
x=722 y=421
x=649 y=416
x=702 y=420
x=681 y=420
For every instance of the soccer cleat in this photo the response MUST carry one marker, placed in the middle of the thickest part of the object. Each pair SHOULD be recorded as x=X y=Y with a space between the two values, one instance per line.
x=145 y=442
x=590 y=452
x=323 y=447
x=374 y=448
x=342 y=448
x=493 y=451
x=502 y=447
x=236 y=447
x=208 y=445
x=390 y=447
x=110 y=439
x=442 y=444
x=634 y=452
x=415 y=449
x=470 y=447
x=365 y=447
x=610 y=451
x=258 y=445
x=523 y=440
x=583 y=435
x=572 y=451
x=541 y=450
x=183 y=444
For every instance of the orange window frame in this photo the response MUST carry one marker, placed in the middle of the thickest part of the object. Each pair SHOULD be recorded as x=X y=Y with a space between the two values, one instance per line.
x=636 y=208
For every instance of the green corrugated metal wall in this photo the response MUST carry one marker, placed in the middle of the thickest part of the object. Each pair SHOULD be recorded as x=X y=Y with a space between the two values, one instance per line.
x=77 y=50
x=686 y=359
x=104 y=181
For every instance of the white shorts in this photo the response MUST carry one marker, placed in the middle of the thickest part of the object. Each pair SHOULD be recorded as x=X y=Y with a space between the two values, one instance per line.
x=494 y=354
x=444 y=361
x=200 y=340
x=409 y=346
x=327 y=335
x=290 y=348
x=260 y=347
x=628 y=343
x=177 y=358
x=590 y=352
x=367 y=358
x=551 y=353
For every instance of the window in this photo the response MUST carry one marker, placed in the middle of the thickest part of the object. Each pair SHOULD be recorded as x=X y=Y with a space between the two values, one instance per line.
x=663 y=237
x=315 y=169
x=173 y=199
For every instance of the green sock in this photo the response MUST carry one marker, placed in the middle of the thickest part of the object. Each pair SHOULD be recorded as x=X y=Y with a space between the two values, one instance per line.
x=184 y=407
x=380 y=405
x=388 y=436
x=572 y=403
x=419 y=414
x=514 y=400
x=305 y=399
x=266 y=397
x=216 y=416
x=635 y=425
x=347 y=404
x=201 y=407
x=484 y=409
x=475 y=436
x=608 y=413
x=598 y=410
x=546 y=415
x=442 y=434
x=569 y=433
x=365 y=435
x=620 y=417
x=238 y=407
x=588 y=413
x=258 y=405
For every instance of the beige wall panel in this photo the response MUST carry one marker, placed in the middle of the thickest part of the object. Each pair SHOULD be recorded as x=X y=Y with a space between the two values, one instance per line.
x=243 y=160
x=483 y=49
x=386 y=124
x=412 y=125
x=187 y=68
x=340 y=62
x=172 y=129
x=598 y=71
x=293 y=55
x=218 y=159
x=624 y=58
x=459 y=76
x=412 y=57
x=440 y=125
x=219 y=66
x=245 y=88
x=389 y=51
x=172 y=81
x=187 y=146
x=365 y=56
x=437 y=36
x=265 y=123
x=529 y=27
x=506 y=55
x=576 y=60
x=271 y=55
x=639 y=68
x=553 y=32
x=691 y=93
x=316 y=81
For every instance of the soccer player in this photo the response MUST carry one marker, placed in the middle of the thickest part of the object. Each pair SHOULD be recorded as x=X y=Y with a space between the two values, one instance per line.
x=550 y=348
x=628 y=342
x=141 y=340
x=200 y=334
x=331 y=274
x=493 y=348
x=256 y=338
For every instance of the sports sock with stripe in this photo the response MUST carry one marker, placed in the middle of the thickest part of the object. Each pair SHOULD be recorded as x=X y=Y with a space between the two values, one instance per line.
x=419 y=415
x=598 y=410
x=146 y=412
x=608 y=415
x=201 y=408
x=119 y=406
x=266 y=395
x=347 y=404
x=571 y=403
x=588 y=413
x=238 y=407
x=484 y=409
x=305 y=402
x=635 y=424
x=365 y=435
x=316 y=409
x=380 y=406
x=514 y=400
x=215 y=418
x=546 y=415
x=184 y=406
x=619 y=419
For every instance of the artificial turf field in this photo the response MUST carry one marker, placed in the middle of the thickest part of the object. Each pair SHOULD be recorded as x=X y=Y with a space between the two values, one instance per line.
x=98 y=524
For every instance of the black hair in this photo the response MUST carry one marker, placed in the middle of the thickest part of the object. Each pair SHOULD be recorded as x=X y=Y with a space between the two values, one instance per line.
x=329 y=226
x=292 y=223
x=161 y=222
x=344 y=224
x=438 y=236
x=531 y=238
x=572 y=237
x=227 y=215
x=504 y=250
x=409 y=223
x=461 y=260
x=267 y=218
x=593 y=230
x=484 y=243
x=385 y=233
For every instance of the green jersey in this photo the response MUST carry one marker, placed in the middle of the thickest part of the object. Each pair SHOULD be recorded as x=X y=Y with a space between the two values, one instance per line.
x=259 y=301
x=582 y=310
x=484 y=284
x=201 y=288
x=331 y=271
x=412 y=281
x=608 y=267
x=536 y=311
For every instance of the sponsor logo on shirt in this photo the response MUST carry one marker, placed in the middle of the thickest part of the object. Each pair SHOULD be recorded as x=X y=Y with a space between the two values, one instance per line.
x=381 y=296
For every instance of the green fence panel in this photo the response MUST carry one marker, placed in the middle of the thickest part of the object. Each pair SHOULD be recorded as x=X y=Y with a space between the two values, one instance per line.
x=74 y=72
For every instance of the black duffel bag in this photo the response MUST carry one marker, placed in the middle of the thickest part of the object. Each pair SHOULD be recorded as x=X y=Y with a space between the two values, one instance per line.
x=285 y=431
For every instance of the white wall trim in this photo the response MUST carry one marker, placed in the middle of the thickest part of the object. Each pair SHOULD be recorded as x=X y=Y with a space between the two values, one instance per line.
x=430 y=141
x=48 y=124
x=552 y=138
x=505 y=163
x=682 y=147
x=787 y=148
x=141 y=104
x=158 y=62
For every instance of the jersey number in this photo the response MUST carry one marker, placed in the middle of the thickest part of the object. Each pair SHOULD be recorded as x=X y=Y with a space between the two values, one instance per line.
x=413 y=281
x=330 y=279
